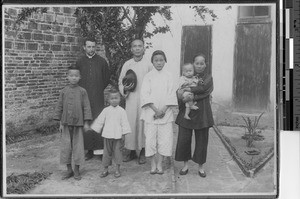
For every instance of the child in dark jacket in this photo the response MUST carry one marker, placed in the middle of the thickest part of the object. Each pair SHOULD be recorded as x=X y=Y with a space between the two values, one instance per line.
x=74 y=112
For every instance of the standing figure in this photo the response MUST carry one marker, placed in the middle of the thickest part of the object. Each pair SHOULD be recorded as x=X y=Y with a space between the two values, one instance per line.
x=200 y=122
x=95 y=77
x=113 y=120
x=157 y=98
x=135 y=141
x=73 y=111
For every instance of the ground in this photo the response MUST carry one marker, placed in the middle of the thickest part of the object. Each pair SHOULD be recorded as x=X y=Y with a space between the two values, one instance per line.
x=223 y=174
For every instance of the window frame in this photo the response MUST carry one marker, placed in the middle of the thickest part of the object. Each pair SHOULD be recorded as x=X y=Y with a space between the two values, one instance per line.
x=253 y=18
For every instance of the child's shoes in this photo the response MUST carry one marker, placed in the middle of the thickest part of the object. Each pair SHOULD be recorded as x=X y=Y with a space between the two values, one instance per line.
x=67 y=175
x=117 y=174
x=77 y=177
x=104 y=174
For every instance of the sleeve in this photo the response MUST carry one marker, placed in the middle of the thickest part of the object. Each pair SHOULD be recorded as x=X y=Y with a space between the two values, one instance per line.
x=124 y=123
x=105 y=73
x=59 y=107
x=87 y=113
x=181 y=81
x=205 y=94
x=98 y=123
x=202 y=88
x=78 y=64
x=172 y=98
x=145 y=95
x=122 y=75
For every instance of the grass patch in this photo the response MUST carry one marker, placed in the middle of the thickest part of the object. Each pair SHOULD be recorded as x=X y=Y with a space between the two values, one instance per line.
x=20 y=184
x=250 y=164
x=41 y=131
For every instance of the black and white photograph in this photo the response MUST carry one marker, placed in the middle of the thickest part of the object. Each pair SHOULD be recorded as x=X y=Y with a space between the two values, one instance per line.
x=140 y=100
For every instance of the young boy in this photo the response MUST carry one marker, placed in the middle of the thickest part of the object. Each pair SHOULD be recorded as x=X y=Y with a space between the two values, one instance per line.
x=73 y=111
x=188 y=80
x=113 y=120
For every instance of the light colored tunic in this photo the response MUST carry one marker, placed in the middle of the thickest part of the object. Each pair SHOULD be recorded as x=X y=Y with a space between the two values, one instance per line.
x=114 y=122
x=136 y=139
x=158 y=88
x=192 y=82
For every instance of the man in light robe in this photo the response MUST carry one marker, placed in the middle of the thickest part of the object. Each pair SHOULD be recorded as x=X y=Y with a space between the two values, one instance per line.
x=95 y=77
x=135 y=141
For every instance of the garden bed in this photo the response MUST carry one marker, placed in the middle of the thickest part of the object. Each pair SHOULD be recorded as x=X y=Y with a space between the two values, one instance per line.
x=249 y=164
x=20 y=184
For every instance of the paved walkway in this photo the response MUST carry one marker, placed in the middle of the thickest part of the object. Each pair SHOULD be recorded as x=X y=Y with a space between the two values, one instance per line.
x=223 y=175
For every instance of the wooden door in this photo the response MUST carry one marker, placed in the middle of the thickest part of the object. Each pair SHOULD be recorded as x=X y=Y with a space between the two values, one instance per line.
x=195 y=40
x=251 y=85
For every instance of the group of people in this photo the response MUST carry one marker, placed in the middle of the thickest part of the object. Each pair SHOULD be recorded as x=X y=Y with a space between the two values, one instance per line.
x=145 y=127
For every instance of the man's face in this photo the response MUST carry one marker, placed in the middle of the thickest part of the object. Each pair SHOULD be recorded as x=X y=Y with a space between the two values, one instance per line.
x=137 y=48
x=89 y=47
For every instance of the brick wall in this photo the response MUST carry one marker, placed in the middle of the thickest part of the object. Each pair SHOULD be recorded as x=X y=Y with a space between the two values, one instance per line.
x=35 y=62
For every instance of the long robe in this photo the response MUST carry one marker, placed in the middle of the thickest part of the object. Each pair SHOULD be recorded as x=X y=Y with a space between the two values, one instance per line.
x=136 y=139
x=95 y=77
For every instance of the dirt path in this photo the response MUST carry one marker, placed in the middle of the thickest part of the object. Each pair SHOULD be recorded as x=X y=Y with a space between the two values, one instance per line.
x=42 y=154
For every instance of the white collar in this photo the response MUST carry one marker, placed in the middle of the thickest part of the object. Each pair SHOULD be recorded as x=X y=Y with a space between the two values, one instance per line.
x=90 y=56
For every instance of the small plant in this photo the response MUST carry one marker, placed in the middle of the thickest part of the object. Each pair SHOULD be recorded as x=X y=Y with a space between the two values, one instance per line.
x=20 y=184
x=251 y=130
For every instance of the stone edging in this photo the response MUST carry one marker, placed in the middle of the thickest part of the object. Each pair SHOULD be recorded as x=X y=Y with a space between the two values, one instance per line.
x=247 y=172
x=172 y=169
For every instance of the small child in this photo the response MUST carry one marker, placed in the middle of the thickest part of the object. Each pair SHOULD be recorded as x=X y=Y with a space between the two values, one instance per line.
x=73 y=111
x=113 y=120
x=157 y=98
x=188 y=80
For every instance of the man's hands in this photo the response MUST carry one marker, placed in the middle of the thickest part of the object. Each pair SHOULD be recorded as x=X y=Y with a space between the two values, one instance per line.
x=128 y=87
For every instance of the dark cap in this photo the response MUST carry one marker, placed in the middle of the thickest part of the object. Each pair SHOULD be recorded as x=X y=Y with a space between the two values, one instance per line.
x=130 y=77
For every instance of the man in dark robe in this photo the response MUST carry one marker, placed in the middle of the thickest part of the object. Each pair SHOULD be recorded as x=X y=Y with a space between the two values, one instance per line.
x=95 y=77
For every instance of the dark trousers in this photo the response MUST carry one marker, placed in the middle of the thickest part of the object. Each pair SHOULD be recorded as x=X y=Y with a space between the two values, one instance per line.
x=92 y=140
x=184 y=141
x=112 y=150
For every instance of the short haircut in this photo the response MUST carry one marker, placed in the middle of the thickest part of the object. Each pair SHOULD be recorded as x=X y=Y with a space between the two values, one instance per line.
x=113 y=91
x=158 y=52
x=199 y=55
x=187 y=64
x=137 y=39
x=73 y=67
x=91 y=39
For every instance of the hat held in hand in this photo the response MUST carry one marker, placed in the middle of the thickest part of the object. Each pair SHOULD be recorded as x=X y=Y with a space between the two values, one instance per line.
x=130 y=78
